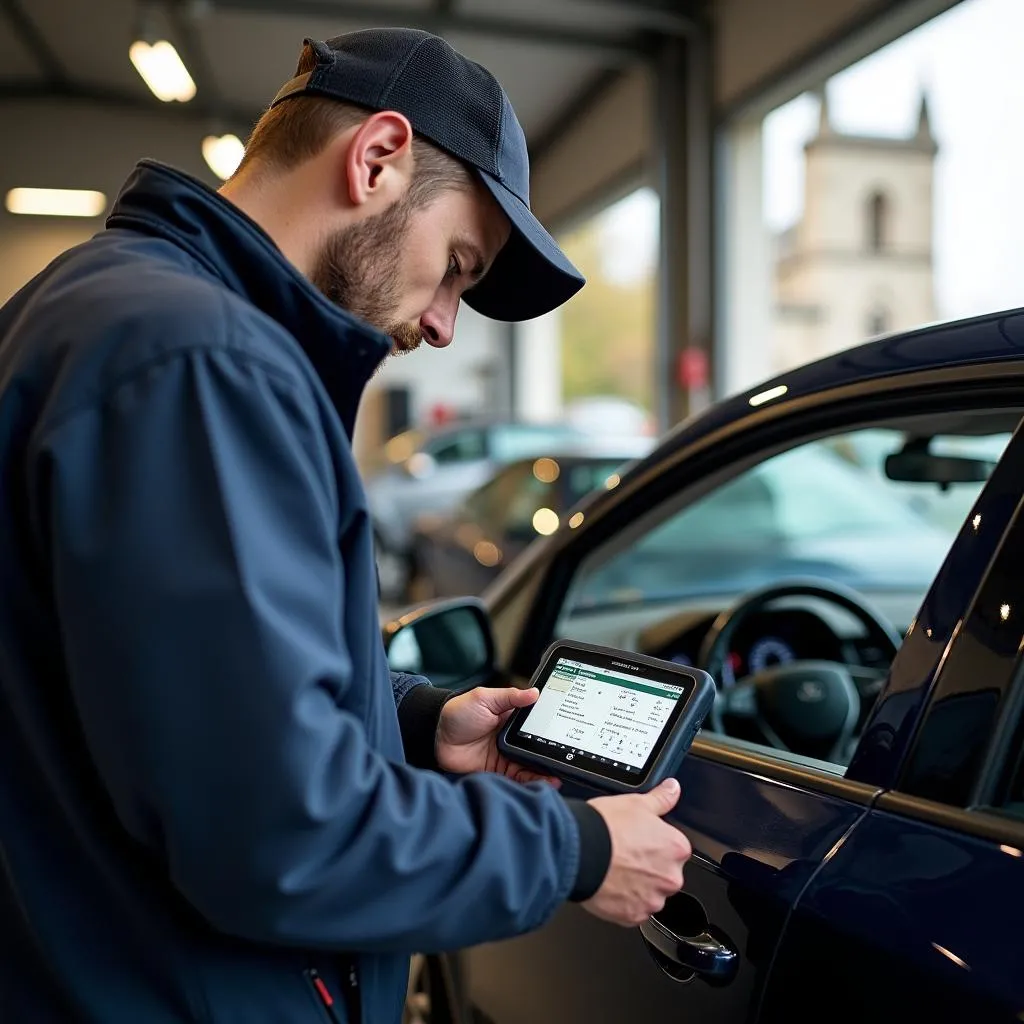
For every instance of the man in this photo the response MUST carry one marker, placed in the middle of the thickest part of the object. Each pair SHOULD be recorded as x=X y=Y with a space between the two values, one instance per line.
x=216 y=803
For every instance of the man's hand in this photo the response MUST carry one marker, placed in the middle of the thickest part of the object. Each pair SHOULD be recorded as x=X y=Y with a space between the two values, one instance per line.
x=648 y=855
x=468 y=731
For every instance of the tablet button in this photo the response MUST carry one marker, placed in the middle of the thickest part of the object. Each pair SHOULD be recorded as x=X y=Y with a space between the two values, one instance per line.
x=568 y=756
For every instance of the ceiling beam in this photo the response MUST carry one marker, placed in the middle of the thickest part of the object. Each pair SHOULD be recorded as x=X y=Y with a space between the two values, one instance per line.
x=183 y=22
x=15 y=91
x=570 y=114
x=614 y=47
x=665 y=16
x=35 y=42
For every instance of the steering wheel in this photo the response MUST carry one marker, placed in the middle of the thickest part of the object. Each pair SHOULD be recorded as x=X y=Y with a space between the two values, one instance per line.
x=806 y=707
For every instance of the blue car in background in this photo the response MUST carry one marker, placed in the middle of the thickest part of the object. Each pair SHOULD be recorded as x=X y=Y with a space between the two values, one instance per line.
x=843 y=549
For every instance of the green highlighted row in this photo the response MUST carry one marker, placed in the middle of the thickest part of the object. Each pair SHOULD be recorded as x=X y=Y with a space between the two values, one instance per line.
x=628 y=684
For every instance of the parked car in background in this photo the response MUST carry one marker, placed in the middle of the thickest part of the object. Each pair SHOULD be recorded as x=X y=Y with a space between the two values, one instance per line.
x=460 y=553
x=608 y=414
x=856 y=799
x=432 y=471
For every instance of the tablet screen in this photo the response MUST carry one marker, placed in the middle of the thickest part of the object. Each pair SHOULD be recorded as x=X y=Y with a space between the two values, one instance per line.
x=608 y=716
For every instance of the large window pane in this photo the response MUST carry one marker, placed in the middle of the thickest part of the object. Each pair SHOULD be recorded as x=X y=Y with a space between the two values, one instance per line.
x=891 y=194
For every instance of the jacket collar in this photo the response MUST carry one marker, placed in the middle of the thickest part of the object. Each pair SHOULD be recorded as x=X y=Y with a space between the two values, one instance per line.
x=344 y=350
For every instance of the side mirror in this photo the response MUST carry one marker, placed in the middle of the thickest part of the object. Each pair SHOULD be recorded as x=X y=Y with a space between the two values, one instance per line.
x=449 y=642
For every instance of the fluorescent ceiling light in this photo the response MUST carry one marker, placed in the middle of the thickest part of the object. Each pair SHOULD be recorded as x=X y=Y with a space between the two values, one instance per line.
x=162 y=70
x=223 y=154
x=56 y=202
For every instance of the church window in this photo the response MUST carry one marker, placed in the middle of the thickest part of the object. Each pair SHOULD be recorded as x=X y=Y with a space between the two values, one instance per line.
x=878 y=221
x=878 y=322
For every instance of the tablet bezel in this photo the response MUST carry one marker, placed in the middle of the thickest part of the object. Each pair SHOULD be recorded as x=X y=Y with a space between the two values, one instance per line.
x=575 y=760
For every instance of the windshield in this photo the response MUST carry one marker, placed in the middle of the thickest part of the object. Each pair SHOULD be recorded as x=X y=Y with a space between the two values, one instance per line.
x=824 y=509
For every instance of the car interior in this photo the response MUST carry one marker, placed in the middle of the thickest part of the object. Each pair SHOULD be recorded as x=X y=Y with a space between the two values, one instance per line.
x=793 y=576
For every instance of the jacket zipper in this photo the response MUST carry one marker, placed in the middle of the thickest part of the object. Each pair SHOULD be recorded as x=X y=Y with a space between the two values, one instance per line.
x=322 y=993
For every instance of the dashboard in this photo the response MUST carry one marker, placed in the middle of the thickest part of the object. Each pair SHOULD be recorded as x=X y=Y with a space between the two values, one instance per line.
x=790 y=629
x=798 y=630
x=795 y=628
x=765 y=639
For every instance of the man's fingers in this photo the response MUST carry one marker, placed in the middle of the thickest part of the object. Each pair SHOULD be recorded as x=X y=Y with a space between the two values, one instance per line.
x=501 y=701
x=663 y=797
x=524 y=775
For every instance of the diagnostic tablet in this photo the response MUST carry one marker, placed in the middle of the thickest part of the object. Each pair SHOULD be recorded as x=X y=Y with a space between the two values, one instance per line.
x=607 y=718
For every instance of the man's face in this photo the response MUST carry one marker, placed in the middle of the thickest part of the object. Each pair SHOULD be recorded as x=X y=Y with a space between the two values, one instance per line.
x=404 y=271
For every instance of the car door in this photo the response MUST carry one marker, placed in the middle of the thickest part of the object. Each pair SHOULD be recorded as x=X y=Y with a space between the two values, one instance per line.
x=917 y=916
x=765 y=826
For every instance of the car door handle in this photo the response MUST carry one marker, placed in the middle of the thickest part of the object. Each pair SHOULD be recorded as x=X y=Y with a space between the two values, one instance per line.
x=707 y=954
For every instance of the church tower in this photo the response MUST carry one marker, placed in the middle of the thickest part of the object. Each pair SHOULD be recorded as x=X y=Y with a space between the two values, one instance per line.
x=859 y=262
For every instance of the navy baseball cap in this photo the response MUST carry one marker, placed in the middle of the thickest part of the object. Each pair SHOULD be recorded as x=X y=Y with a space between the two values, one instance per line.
x=461 y=108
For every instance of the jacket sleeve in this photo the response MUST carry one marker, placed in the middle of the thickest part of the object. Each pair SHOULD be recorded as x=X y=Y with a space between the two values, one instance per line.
x=419 y=714
x=193 y=530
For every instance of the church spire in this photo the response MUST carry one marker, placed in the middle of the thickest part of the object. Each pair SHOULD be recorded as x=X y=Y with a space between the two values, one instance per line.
x=824 y=122
x=924 y=121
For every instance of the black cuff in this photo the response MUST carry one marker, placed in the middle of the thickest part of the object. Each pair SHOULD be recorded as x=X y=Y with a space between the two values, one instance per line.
x=595 y=851
x=418 y=717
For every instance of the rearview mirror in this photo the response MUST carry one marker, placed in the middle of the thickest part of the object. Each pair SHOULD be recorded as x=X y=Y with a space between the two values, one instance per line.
x=915 y=464
x=449 y=642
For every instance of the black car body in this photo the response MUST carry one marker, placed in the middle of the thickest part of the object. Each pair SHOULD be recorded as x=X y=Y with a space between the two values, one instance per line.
x=868 y=866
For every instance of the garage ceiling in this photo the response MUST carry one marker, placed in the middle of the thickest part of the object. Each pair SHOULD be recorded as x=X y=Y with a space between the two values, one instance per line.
x=240 y=51
x=575 y=70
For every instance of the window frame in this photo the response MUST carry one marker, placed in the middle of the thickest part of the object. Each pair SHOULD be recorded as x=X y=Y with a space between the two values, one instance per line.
x=948 y=390
x=996 y=749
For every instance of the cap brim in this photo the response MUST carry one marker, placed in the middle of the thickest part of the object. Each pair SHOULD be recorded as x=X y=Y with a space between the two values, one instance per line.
x=531 y=276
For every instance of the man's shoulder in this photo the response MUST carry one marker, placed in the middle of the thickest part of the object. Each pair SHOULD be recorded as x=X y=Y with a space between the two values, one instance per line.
x=167 y=298
x=117 y=306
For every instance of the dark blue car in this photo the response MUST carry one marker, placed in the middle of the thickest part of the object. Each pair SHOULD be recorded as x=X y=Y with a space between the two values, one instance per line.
x=843 y=549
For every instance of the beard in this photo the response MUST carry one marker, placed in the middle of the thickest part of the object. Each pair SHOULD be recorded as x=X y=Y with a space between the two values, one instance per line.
x=357 y=271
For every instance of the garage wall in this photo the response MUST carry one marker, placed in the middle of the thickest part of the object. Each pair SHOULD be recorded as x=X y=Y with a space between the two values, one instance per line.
x=83 y=146
x=760 y=45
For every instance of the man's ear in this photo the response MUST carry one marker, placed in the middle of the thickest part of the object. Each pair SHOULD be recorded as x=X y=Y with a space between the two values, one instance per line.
x=379 y=160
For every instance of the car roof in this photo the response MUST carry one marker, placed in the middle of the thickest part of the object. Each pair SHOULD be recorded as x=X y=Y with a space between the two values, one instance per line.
x=996 y=338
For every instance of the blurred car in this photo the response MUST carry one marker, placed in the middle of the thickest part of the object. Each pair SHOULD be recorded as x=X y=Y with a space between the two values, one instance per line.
x=462 y=552
x=855 y=801
x=432 y=471
x=608 y=414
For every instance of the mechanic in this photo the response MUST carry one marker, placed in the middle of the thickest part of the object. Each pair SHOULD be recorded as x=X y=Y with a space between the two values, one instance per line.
x=216 y=802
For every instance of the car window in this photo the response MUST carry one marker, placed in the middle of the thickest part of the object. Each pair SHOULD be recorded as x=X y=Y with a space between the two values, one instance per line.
x=533 y=508
x=488 y=505
x=811 y=510
x=546 y=489
x=827 y=509
x=461 y=446
x=584 y=477
x=525 y=440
